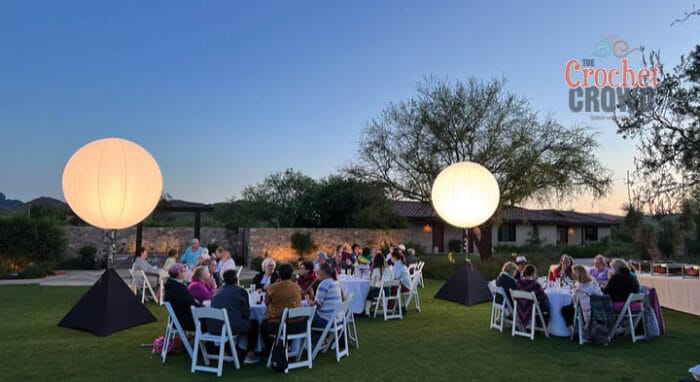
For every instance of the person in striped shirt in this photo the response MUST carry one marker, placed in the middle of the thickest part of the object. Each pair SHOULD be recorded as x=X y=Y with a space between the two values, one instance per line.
x=328 y=296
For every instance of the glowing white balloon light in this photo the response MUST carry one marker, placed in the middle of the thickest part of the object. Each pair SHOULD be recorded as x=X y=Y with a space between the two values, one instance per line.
x=465 y=194
x=112 y=183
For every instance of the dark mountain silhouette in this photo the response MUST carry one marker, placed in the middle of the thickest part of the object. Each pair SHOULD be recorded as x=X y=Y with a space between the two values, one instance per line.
x=4 y=202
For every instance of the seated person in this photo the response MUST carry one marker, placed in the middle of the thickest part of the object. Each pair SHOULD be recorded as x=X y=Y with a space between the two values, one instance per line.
x=400 y=271
x=529 y=284
x=281 y=295
x=600 y=270
x=171 y=260
x=585 y=288
x=212 y=265
x=179 y=297
x=202 y=286
x=234 y=299
x=380 y=274
x=506 y=280
x=348 y=257
x=521 y=262
x=411 y=256
x=564 y=268
x=267 y=277
x=306 y=276
x=140 y=264
x=327 y=298
x=621 y=284
x=192 y=253
x=225 y=262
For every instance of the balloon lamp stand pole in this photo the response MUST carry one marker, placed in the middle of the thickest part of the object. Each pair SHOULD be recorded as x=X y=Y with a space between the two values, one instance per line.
x=112 y=247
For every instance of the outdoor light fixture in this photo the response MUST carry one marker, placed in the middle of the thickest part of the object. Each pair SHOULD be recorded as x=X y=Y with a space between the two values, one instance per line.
x=571 y=231
x=428 y=228
x=465 y=194
x=110 y=183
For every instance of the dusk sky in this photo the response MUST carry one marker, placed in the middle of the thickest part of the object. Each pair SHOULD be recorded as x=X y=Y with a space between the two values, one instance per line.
x=223 y=93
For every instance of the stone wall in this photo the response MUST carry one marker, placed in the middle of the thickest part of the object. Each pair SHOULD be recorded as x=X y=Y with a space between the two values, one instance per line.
x=276 y=242
x=158 y=240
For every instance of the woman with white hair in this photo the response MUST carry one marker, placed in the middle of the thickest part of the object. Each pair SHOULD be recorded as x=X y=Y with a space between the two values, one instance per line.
x=268 y=276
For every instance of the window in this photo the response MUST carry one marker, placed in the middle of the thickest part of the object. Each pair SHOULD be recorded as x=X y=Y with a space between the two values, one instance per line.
x=590 y=233
x=506 y=233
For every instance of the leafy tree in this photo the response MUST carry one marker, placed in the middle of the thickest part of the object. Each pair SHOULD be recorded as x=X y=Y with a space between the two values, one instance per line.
x=302 y=243
x=55 y=213
x=667 y=128
x=292 y=199
x=286 y=196
x=346 y=202
x=532 y=158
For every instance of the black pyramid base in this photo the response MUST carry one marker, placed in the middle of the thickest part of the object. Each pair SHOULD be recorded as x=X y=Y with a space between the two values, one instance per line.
x=108 y=307
x=466 y=286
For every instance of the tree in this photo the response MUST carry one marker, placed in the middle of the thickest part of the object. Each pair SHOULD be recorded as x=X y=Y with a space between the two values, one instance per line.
x=292 y=199
x=532 y=158
x=667 y=127
x=287 y=198
x=346 y=202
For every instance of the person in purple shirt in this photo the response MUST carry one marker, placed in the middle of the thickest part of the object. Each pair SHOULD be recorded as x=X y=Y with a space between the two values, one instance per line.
x=600 y=270
x=202 y=286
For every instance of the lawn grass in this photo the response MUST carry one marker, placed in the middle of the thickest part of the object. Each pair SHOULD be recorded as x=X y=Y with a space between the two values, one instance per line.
x=447 y=342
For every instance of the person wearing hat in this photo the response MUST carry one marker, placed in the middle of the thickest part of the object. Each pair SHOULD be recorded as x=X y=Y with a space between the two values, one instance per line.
x=192 y=253
x=179 y=297
x=521 y=262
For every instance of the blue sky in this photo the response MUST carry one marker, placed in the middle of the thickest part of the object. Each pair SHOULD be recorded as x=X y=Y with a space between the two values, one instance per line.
x=224 y=92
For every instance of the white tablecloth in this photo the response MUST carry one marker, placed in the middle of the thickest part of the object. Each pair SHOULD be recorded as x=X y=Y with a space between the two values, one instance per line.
x=675 y=293
x=557 y=299
x=360 y=287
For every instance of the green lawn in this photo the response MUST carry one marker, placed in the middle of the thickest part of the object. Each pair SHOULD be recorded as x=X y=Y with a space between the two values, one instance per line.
x=447 y=342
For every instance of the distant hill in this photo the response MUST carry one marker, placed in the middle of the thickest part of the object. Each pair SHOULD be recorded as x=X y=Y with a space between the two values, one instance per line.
x=16 y=207
x=4 y=202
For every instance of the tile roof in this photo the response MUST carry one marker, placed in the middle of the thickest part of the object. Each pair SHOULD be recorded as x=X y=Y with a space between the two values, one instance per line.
x=517 y=215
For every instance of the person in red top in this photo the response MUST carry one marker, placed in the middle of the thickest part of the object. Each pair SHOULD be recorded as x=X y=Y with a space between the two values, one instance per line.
x=565 y=265
x=306 y=276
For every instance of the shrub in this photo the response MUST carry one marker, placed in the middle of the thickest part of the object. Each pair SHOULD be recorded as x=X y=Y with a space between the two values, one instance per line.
x=70 y=263
x=38 y=239
x=87 y=254
x=256 y=263
x=302 y=243
x=418 y=247
x=455 y=246
x=440 y=266
x=36 y=271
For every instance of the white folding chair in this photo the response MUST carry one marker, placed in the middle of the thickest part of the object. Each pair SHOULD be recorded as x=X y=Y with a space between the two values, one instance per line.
x=225 y=337
x=413 y=293
x=139 y=281
x=288 y=339
x=419 y=272
x=536 y=317
x=394 y=287
x=171 y=330
x=627 y=320
x=500 y=311
x=352 y=326
x=338 y=329
x=579 y=323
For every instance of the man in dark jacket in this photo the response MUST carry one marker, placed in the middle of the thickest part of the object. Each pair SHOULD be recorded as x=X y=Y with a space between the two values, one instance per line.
x=179 y=297
x=234 y=299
